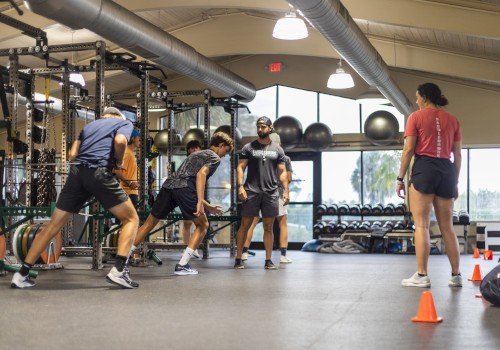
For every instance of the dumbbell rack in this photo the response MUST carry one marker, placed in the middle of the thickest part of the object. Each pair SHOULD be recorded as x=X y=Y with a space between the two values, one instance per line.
x=369 y=236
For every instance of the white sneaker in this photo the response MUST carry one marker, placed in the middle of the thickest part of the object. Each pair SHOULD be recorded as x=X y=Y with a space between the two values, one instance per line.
x=183 y=270
x=417 y=281
x=121 y=278
x=455 y=281
x=19 y=281
x=196 y=254
x=244 y=256
x=285 y=260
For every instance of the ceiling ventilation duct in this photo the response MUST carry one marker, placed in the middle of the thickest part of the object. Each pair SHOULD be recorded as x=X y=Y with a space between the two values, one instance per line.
x=333 y=21
x=121 y=26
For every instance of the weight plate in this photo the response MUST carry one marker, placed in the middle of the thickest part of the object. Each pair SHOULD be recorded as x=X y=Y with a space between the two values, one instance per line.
x=20 y=243
x=2 y=246
x=14 y=240
x=25 y=240
x=32 y=235
x=57 y=241
x=114 y=236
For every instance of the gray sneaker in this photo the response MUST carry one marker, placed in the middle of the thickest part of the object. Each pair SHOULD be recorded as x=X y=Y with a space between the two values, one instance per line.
x=121 y=279
x=455 y=281
x=20 y=281
x=417 y=281
x=184 y=270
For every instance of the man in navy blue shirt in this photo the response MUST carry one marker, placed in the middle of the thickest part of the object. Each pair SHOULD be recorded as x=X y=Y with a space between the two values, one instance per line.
x=100 y=148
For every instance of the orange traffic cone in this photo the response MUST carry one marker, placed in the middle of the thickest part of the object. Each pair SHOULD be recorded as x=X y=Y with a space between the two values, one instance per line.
x=476 y=275
x=488 y=254
x=476 y=254
x=427 y=311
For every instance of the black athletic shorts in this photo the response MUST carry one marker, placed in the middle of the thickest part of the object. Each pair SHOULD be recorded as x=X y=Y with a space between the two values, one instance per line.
x=84 y=182
x=168 y=199
x=267 y=203
x=434 y=176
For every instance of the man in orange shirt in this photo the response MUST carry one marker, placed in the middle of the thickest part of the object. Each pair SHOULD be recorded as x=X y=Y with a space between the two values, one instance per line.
x=128 y=174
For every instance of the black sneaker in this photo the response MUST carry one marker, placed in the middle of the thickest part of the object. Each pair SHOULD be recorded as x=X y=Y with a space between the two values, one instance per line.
x=238 y=265
x=270 y=266
x=122 y=279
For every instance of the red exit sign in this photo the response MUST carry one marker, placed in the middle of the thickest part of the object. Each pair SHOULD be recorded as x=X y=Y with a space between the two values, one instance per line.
x=276 y=67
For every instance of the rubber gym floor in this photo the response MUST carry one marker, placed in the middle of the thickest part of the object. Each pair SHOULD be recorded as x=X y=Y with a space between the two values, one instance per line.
x=320 y=301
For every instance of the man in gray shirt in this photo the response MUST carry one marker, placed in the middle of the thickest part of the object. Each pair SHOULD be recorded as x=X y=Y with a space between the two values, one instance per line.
x=265 y=164
x=186 y=189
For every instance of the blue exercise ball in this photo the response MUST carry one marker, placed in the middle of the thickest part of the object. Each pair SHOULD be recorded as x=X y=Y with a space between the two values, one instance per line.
x=312 y=245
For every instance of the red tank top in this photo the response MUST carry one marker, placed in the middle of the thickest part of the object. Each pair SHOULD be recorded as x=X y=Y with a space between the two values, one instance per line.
x=436 y=131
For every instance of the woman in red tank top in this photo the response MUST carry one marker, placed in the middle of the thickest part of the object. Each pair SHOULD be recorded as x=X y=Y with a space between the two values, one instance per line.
x=432 y=135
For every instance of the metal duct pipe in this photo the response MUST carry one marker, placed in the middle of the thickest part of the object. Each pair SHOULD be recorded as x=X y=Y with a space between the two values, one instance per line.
x=121 y=26
x=333 y=21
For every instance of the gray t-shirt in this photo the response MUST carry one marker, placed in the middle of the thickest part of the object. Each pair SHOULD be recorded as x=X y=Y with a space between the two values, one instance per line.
x=263 y=161
x=186 y=174
x=97 y=141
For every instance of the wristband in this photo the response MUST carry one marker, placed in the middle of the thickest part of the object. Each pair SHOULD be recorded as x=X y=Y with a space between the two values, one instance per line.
x=240 y=185
x=400 y=179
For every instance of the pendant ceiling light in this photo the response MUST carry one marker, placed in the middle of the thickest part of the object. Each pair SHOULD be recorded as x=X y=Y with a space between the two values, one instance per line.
x=372 y=96
x=290 y=28
x=340 y=79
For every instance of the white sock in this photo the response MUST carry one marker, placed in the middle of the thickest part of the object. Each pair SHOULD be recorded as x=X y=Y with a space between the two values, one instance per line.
x=130 y=253
x=186 y=256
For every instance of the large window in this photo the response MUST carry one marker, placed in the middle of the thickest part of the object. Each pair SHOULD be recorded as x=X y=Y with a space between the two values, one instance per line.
x=379 y=171
x=264 y=104
x=339 y=183
x=297 y=103
x=340 y=114
x=484 y=195
x=347 y=176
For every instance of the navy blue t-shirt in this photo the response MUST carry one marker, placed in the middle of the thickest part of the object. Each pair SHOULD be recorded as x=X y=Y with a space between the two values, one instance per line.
x=97 y=141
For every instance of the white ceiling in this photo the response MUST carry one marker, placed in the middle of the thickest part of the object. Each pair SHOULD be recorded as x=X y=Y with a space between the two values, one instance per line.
x=455 y=38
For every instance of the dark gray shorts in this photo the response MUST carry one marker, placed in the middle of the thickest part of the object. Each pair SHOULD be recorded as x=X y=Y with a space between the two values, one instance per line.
x=434 y=176
x=267 y=203
x=168 y=199
x=83 y=183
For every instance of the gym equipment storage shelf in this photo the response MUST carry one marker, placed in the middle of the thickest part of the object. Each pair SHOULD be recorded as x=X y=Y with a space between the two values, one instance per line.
x=365 y=227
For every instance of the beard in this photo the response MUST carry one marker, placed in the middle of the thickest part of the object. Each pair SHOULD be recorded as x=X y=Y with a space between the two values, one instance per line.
x=263 y=135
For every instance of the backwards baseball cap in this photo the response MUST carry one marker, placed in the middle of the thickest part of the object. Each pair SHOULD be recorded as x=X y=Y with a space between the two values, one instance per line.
x=113 y=111
x=135 y=132
x=264 y=120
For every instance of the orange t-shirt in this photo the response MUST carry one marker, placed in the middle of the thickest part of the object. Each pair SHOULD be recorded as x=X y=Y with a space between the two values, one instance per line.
x=436 y=131
x=129 y=171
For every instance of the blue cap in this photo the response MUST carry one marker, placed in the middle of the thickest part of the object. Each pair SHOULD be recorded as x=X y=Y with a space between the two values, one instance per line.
x=135 y=132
